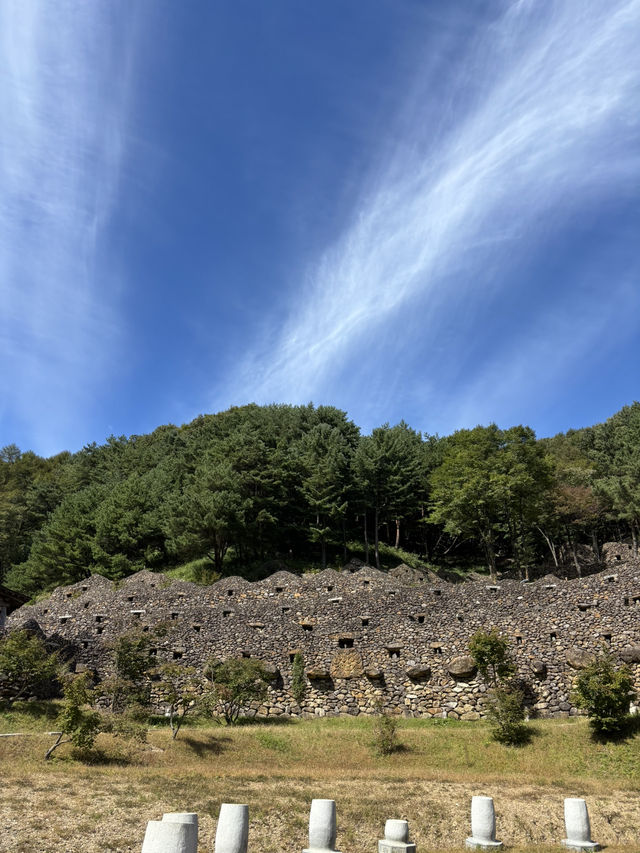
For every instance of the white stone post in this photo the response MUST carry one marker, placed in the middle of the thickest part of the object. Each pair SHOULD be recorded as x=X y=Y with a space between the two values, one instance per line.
x=168 y=837
x=190 y=818
x=577 y=826
x=232 y=832
x=483 y=825
x=396 y=838
x=322 y=826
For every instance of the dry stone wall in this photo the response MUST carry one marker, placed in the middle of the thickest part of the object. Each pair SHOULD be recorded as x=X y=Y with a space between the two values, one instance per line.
x=366 y=636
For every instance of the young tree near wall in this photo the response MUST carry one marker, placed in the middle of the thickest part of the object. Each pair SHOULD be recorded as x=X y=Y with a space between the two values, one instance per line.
x=605 y=691
x=25 y=665
x=235 y=685
x=505 y=707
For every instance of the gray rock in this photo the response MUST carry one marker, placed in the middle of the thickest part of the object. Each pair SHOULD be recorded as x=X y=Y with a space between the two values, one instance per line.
x=462 y=667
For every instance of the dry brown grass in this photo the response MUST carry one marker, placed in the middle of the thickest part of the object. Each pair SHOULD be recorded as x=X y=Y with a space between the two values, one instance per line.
x=67 y=805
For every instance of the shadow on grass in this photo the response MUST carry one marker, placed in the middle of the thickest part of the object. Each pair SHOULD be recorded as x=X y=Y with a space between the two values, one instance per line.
x=204 y=748
x=629 y=729
x=36 y=709
x=266 y=721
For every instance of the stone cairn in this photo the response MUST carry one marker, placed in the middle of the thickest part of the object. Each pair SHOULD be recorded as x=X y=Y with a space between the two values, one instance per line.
x=178 y=832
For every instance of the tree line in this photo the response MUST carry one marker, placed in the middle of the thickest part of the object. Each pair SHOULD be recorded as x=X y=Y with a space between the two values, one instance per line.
x=302 y=484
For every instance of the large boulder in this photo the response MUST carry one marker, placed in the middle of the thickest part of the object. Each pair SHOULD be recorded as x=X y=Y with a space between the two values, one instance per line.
x=318 y=673
x=538 y=668
x=419 y=673
x=630 y=654
x=346 y=663
x=462 y=666
x=579 y=658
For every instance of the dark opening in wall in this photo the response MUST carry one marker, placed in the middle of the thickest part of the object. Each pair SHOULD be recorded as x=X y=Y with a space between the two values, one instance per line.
x=197 y=628
x=345 y=642
x=279 y=589
x=85 y=588
x=611 y=578
x=421 y=619
x=99 y=630
x=436 y=591
x=177 y=655
x=330 y=589
x=618 y=557
x=69 y=594
x=306 y=626
x=286 y=609
x=365 y=621
x=85 y=644
x=246 y=654
x=394 y=651
x=436 y=648
x=129 y=598
x=137 y=614
x=518 y=639
x=63 y=619
x=292 y=656
x=174 y=616
x=153 y=653
x=553 y=635
x=366 y=583
x=229 y=592
x=99 y=618
x=226 y=613
x=45 y=611
x=145 y=629
x=86 y=604
x=607 y=638
x=584 y=607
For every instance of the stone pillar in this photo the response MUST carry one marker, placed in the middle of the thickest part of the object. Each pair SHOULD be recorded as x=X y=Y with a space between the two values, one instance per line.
x=190 y=818
x=322 y=826
x=577 y=826
x=396 y=838
x=232 y=833
x=170 y=837
x=483 y=825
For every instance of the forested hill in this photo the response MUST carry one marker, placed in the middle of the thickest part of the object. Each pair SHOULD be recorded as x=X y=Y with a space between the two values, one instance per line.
x=232 y=491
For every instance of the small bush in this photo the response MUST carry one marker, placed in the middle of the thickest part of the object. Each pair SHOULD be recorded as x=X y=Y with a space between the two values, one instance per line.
x=506 y=715
x=605 y=691
x=385 y=731
x=298 y=682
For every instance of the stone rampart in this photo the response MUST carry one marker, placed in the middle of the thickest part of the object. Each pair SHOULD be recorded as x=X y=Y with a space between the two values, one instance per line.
x=366 y=636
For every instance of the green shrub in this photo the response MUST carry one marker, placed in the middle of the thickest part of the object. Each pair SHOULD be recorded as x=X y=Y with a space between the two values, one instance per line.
x=25 y=665
x=385 y=731
x=235 y=685
x=605 y=691
x=506 y=715
x=298 y=681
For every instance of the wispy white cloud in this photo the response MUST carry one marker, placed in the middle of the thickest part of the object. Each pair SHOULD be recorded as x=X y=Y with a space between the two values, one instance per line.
x=64 y=72
x=545 y=126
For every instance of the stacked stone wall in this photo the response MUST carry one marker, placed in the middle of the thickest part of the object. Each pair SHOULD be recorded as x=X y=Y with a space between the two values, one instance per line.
x=365 y=636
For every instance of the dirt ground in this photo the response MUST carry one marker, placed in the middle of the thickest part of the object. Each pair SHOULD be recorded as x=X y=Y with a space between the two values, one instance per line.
x=50 y=813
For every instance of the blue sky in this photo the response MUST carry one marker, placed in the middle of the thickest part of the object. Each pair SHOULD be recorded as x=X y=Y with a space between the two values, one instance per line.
x=408 y=209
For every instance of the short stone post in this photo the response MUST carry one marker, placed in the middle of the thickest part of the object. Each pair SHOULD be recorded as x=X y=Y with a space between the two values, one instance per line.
x=396 y=838
x=322 y=826
x=169 y=837
x=483 y=825
x=232 y=832
x=577 y=826
x=190 y=818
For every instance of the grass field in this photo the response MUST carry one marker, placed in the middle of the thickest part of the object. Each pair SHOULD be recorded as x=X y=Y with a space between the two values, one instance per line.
x=69 y=805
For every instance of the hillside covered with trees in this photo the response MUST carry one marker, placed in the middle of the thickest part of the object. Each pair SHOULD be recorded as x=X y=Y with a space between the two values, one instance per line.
x=235 y=490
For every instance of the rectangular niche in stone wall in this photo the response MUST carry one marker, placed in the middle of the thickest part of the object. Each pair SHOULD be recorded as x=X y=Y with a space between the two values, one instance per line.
x=553 y=635
x=178 y=654
x=99 y=630
x=436 y=648
x=137 y=613
x=306 y=626
x=279 y=589
x=518 y=639
x=286 y=609
x=197 y=628
x=436 y=591
x=345 y=642
x=227 y=613
x=230 y=592
x=365 y=621
x=174 y=615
